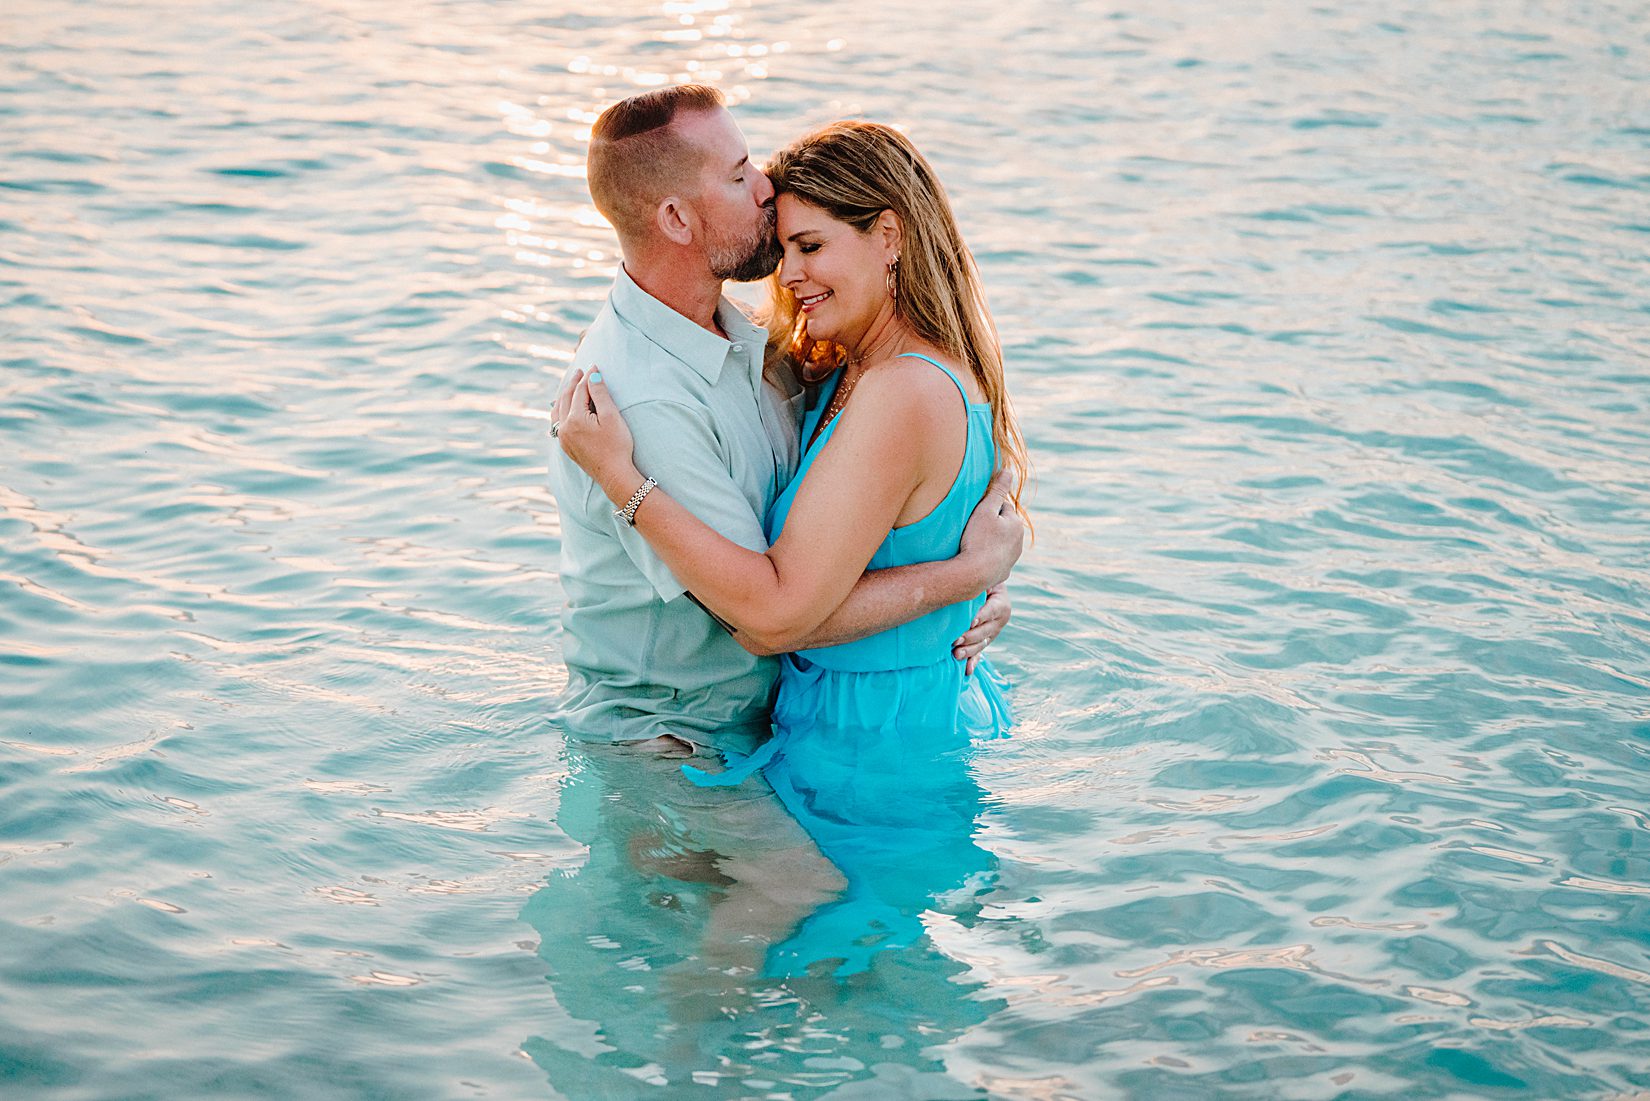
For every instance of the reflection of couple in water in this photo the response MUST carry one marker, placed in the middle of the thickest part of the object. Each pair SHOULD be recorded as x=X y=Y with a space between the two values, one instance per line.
x=839 y=488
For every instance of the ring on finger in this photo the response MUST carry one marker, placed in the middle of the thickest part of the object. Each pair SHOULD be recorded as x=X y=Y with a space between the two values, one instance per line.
x=555 y=429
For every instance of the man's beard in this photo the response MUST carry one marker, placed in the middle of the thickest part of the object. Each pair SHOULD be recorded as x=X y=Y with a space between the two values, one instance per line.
x=751 y=259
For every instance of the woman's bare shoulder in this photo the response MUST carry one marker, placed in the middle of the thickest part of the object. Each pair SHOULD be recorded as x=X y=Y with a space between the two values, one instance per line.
x=911 y=387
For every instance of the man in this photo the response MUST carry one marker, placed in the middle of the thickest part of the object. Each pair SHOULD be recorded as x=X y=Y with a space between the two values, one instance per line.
x=670 y=170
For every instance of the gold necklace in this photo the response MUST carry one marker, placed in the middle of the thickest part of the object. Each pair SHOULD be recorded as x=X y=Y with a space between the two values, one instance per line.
x=839 y=400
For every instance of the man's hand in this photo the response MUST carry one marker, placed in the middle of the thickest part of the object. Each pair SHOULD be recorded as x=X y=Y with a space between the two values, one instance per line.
x=991 y=542
x=993 y=617
x=994 y=536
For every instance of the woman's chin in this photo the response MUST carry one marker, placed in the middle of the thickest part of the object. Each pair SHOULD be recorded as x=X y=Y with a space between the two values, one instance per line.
x=818 y=372
x=820 y=332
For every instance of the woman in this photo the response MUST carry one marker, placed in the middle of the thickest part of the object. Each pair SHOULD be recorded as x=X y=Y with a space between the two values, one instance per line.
x=876 y=285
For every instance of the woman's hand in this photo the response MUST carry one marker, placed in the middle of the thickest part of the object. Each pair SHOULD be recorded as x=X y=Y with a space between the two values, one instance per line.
x=593 y=434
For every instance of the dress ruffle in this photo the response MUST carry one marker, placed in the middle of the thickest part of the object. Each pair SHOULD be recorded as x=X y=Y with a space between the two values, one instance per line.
x=885 y=703
x=876 y=766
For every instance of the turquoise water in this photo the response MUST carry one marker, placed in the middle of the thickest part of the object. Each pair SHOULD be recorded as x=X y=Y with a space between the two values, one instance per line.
x=1329 y=330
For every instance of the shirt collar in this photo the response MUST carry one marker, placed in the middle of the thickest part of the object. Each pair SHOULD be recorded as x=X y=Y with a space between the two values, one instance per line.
x=693 y=344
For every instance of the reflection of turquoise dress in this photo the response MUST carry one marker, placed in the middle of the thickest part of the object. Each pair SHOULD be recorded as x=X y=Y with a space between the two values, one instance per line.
x=872 y=738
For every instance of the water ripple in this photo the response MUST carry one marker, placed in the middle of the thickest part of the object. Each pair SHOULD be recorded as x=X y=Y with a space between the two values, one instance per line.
x=1327 y=328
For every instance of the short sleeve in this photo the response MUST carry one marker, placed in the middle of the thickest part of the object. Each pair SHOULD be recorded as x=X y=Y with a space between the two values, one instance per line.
x=676 y=444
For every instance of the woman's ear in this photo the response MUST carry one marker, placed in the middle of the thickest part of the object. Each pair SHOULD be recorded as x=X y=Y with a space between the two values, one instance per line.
x=892 y=232
x=675 y=220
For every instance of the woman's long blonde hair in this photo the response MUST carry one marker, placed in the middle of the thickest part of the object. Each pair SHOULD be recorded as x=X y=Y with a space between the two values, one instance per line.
x=854 y=171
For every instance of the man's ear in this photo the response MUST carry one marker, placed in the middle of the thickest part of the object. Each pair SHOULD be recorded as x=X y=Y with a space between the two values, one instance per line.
x=675 y=220
x=891 y=230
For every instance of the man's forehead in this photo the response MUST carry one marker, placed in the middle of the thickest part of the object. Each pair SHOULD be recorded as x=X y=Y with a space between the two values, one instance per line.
x=714 y=131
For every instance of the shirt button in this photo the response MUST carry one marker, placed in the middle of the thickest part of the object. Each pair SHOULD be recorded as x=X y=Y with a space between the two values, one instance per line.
x=738 y=347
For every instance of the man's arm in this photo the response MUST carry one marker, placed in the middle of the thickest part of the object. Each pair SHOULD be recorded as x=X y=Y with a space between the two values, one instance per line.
x=883 y=599
x=675 y=437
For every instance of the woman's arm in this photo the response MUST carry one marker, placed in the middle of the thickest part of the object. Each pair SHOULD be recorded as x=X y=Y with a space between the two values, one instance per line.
x=881 y=452
x=883 y=599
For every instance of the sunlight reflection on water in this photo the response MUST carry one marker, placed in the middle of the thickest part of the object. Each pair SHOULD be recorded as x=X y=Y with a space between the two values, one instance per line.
x=1327 y=328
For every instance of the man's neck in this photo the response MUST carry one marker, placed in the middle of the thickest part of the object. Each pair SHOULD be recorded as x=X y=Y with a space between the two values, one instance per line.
x=694 y=295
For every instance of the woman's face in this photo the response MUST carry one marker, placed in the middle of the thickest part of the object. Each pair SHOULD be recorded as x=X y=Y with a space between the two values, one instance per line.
x=838 y=274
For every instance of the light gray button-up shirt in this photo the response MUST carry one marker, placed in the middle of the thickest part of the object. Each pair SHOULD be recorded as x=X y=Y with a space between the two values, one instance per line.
x=642 y=658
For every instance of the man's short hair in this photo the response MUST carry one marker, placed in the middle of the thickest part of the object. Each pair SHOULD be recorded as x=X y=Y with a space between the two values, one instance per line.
x=637 y=157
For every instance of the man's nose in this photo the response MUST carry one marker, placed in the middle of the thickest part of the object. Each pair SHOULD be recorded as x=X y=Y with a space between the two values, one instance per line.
x=764 y=188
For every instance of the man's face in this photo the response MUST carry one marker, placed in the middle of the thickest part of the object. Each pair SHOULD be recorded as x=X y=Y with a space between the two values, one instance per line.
x=735 y=200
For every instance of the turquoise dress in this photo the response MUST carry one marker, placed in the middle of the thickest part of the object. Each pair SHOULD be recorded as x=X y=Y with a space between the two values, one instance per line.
x=872 y=738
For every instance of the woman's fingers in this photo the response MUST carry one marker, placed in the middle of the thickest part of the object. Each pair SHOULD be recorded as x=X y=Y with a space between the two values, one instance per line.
x=592 y=433
x=564 y=398
x=579 y=408
x=600 y=400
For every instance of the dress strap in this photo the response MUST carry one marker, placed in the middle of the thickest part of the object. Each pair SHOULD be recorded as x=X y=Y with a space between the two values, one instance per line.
x=949 y=373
